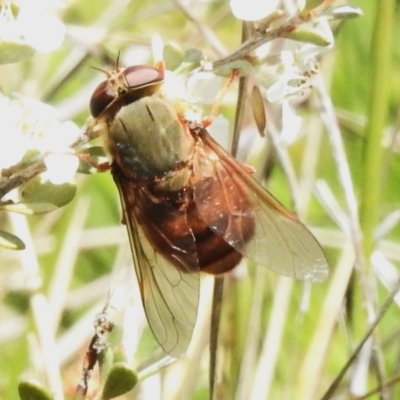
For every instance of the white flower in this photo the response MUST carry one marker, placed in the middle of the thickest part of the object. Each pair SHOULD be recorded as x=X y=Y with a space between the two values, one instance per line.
x=293 y=74
x=174 y=86
x=204 y=87
x=291 y=123
x=61 y=163
x=35 y=24
x=61 y=168
x=219 y=130
x=28 y=124
x=295 y=65
x=253 y=10
x=298 y=66
x=191 y=94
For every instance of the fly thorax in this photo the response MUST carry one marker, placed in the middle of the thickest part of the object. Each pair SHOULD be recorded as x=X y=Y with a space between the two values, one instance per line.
x=147 y=139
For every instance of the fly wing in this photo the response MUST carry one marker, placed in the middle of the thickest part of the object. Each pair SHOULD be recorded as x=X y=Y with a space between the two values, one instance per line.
x=169 y=289
x=275 y=239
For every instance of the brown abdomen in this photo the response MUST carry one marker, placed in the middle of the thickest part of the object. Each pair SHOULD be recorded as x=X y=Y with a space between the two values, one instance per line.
x=172 y=223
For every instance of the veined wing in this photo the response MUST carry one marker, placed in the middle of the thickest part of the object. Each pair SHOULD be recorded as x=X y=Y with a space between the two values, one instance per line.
x=278 y=239
x=169 y=285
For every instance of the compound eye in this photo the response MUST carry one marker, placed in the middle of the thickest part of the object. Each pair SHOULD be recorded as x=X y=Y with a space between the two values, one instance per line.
x=142 y=75
x=121 y=81
x=101 y=98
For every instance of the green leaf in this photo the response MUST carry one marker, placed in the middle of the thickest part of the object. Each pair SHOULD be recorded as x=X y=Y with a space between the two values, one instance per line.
x=38 y=191
x=244 y=68
x=344 y=12
x=191 y=60
x=29 y=208
x=10 y=241
x=193 y=56
x=15 y=51
x=33 y=390
x=40 y=197
x=257 y=106
x=120 y=380
x=172 y=56
x=309 y=35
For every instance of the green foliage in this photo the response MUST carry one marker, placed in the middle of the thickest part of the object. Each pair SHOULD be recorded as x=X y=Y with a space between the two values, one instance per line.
x=32 y=390
x=120 y=379
x=13 y=52
x=10 y=241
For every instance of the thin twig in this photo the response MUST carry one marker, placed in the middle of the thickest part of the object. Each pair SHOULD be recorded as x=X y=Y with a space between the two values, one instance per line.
x=385 y=385
x=385 y=306
x=214 y=333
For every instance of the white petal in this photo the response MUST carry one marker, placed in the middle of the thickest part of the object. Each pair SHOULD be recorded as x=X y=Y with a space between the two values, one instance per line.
x=291 y=123
x=13 y=144
x=8 y=26
x=253 y=10
x=204 y=86
x=39 y=110
x=43 y=4
x=219 y=130
x=68 y=133
x=174 y=87
x=61 y=168
x=301 y=4
x=12 y=150
x=157 y=47
x=42 y=30
x=276 y=92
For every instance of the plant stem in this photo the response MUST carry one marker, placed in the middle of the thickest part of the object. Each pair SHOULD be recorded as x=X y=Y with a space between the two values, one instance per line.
x=381 y=53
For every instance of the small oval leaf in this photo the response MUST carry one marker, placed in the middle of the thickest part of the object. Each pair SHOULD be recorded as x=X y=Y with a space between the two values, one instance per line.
x=29 y=208
x=257 y=106
x=33 y=390
x=191 y=60
x=193 y=56
x=15 y=51
x=344 y=12
x=172 y=56
x=309 y=35
x=10 y=241
x=120 y=380
x=38 y=191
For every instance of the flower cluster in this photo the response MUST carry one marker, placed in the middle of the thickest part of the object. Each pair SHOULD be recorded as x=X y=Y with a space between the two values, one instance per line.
x=289 y=69
x=34 y=27
x=29 y=125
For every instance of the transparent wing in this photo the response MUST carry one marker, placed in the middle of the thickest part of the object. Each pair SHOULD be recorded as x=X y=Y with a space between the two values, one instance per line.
x=169 y=286
x=275 y=238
